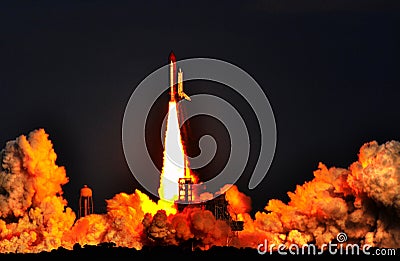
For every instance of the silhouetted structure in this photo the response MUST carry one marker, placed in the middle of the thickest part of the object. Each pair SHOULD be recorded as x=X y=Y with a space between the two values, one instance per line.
x=85 y=202
x=185 y=194
x=218 y=206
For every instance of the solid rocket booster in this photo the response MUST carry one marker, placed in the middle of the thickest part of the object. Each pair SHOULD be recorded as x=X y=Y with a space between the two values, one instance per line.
x=173 y=81
x=181 y=94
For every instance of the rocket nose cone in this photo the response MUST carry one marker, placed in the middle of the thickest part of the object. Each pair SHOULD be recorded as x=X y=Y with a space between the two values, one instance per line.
x=172 y=57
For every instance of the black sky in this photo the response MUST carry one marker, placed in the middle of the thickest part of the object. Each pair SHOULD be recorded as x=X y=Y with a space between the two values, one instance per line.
x=330 y=70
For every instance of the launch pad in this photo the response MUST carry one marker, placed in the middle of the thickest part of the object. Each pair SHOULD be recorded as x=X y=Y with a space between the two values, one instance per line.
x=218 y=205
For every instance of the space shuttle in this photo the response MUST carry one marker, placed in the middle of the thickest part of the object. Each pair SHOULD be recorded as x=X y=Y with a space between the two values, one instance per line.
x=179 y=94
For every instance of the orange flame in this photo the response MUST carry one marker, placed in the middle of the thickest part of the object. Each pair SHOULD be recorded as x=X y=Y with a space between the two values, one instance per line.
x=175 y=163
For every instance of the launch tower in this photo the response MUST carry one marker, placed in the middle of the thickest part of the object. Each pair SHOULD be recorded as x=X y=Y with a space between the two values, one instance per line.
x=218 y=206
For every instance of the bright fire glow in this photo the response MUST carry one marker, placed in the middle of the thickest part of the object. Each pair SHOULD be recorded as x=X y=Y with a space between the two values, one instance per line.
x=174 y=161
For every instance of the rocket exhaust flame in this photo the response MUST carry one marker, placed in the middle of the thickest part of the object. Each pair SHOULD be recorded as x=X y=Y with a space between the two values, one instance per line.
x=174 y=157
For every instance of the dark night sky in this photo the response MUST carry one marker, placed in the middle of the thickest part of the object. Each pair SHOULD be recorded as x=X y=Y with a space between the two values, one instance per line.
x=330 y=70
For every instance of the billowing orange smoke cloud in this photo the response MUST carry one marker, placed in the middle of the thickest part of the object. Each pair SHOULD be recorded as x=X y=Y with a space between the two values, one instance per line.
x=191 y=225
x=34 y=215
x=361 y=201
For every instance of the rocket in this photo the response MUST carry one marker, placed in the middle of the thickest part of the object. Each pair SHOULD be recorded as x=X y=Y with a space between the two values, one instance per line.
x=172 y=75
x=175 y=96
